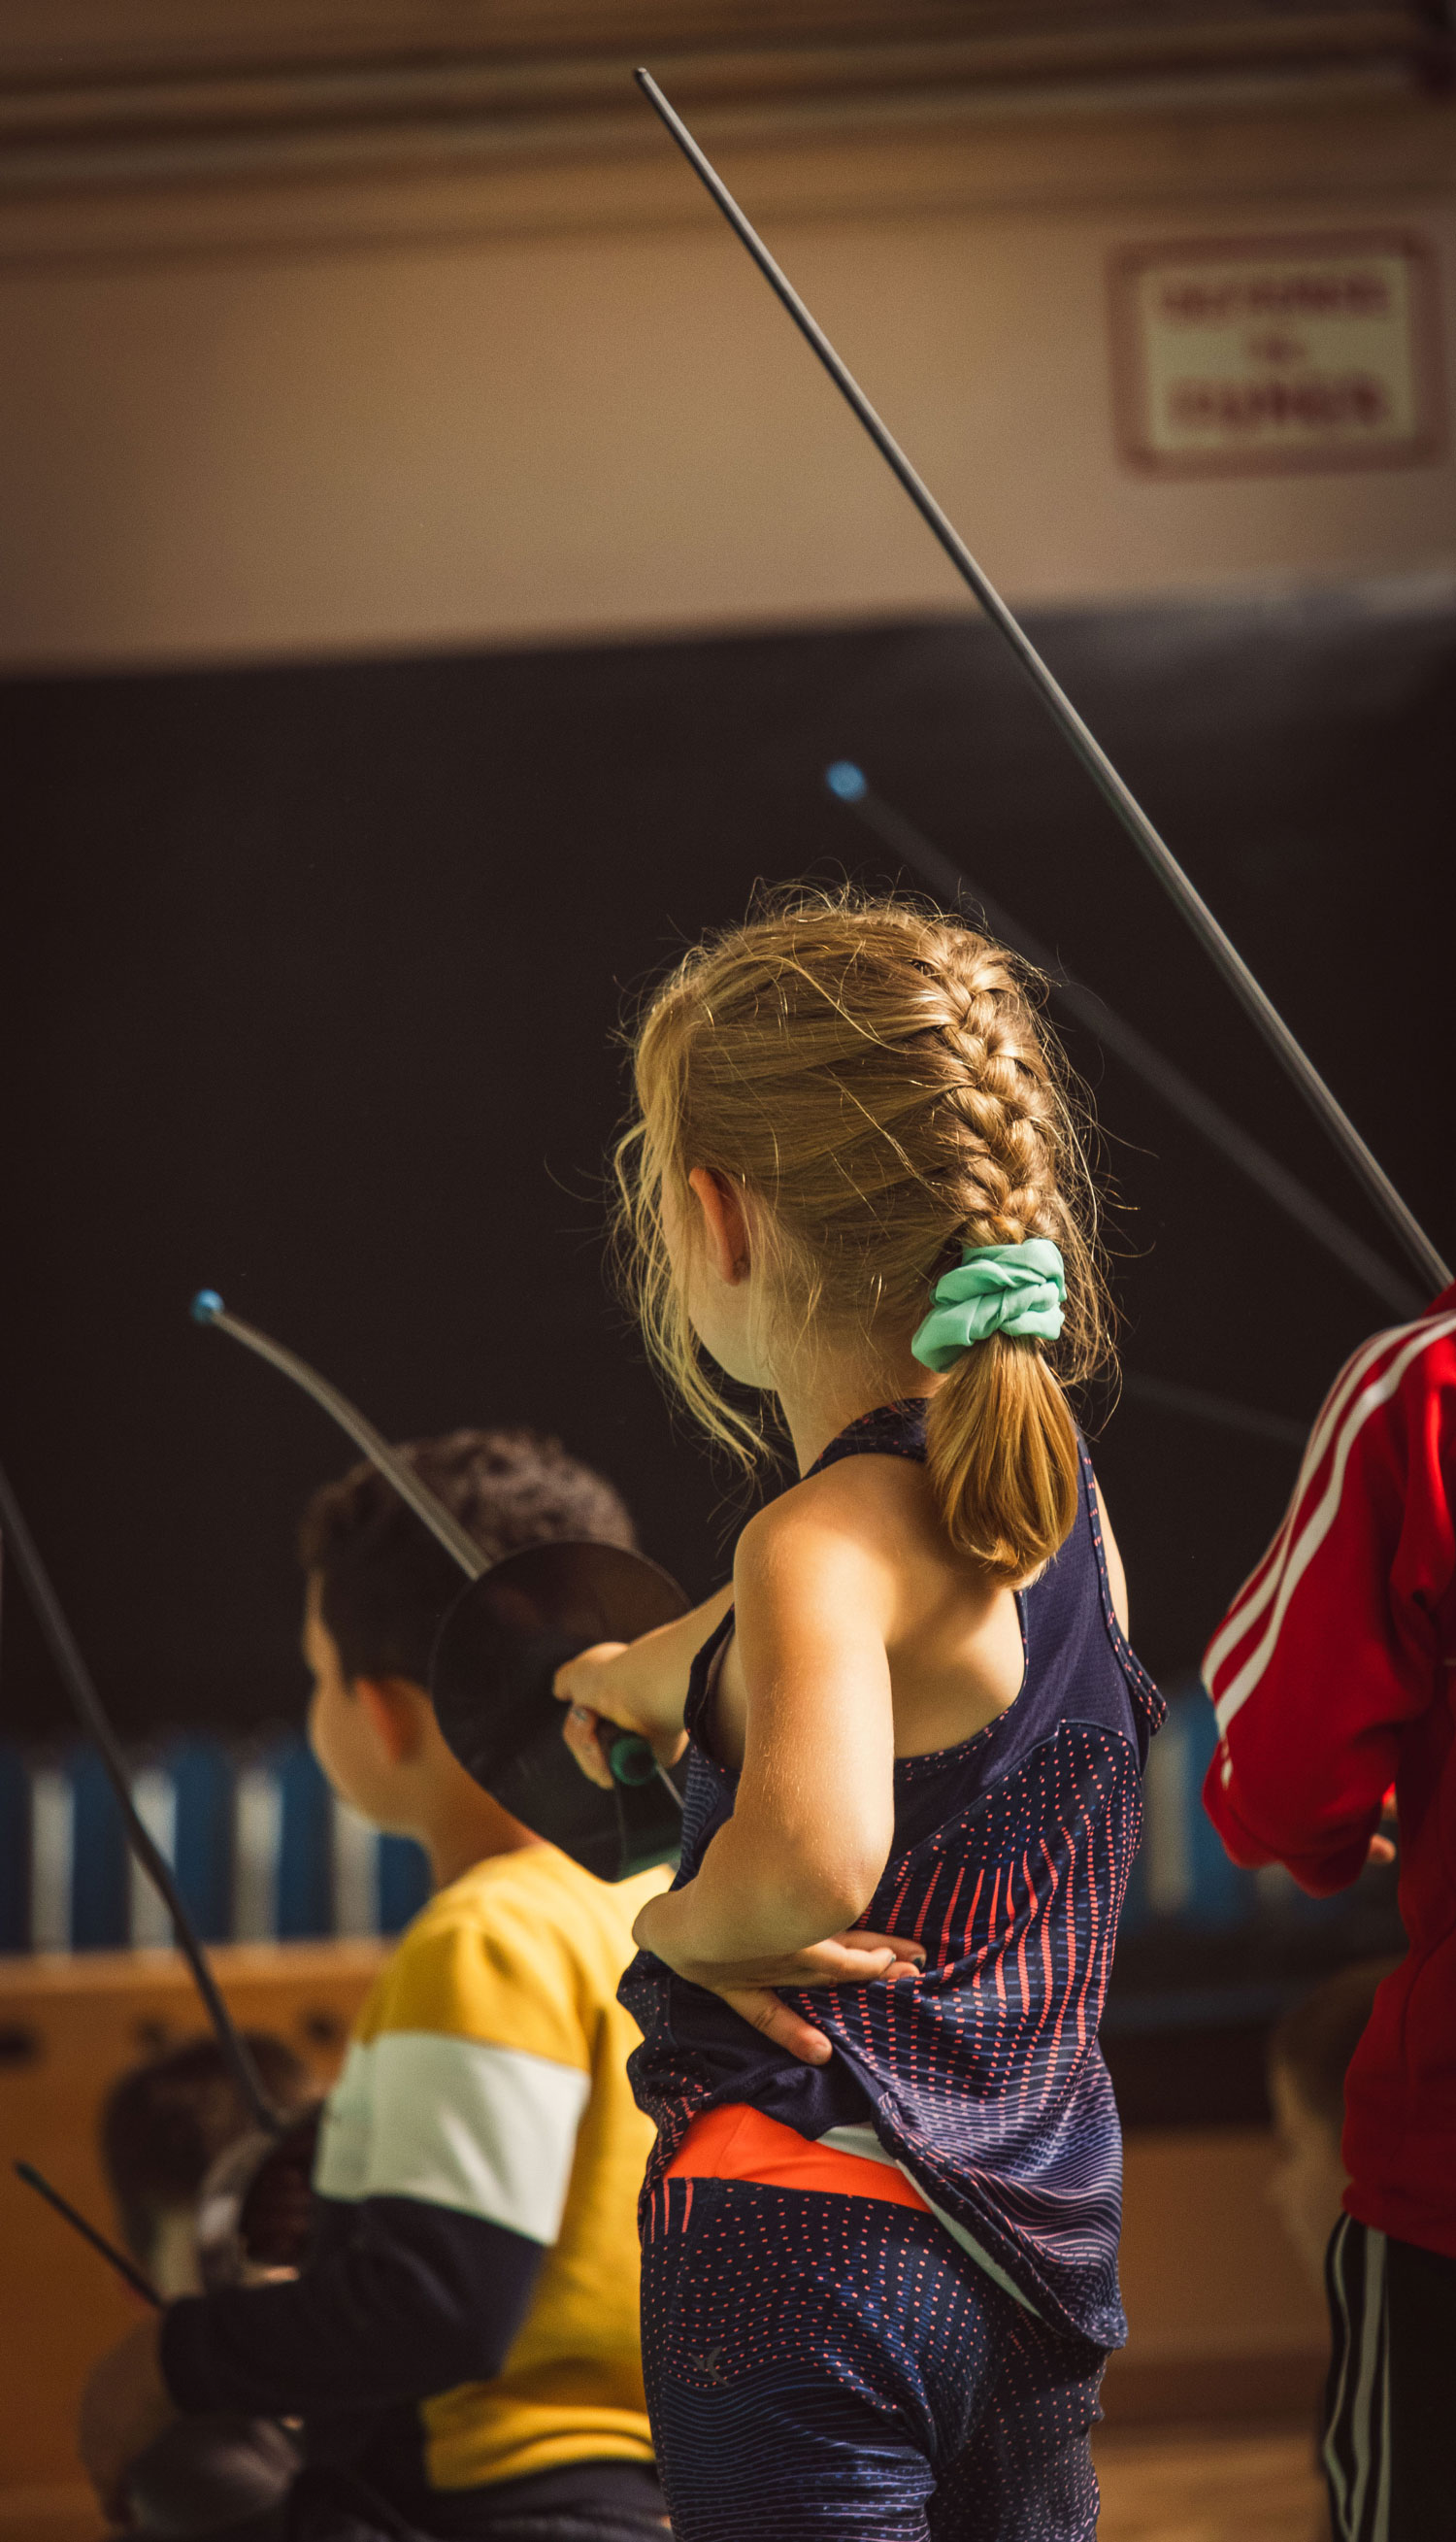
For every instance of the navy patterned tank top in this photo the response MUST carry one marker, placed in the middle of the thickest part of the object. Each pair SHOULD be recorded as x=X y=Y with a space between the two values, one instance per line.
x=981 y=2079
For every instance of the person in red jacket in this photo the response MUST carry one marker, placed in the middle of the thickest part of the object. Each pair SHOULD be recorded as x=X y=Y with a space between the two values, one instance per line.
x=1332 y=1676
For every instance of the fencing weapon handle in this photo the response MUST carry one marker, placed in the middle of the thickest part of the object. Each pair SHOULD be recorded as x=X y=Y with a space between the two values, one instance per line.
x=139 y=2284
x=1219 y=947
x=850 y=787
x=87 y=1703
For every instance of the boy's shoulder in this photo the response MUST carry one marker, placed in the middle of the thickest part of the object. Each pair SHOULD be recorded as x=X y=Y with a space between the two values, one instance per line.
x=528 y=1902
x=523 y=1950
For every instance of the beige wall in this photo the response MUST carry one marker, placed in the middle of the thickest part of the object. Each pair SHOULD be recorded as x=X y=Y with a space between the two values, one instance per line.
x=1222 y=2320
x=531 y=403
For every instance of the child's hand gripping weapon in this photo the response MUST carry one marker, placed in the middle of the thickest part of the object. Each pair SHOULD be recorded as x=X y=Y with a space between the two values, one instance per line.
x=500 y=1648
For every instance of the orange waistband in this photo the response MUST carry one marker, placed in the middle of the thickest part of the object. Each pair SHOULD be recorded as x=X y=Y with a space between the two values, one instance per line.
x=737 y=2142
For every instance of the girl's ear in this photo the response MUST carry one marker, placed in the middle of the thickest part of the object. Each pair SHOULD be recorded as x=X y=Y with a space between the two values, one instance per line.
x=390 y=1706
x=724 y=1226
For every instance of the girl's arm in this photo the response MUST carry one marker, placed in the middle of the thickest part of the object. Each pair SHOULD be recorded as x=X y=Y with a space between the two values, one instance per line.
x=642 y=1686
x=814 y=1818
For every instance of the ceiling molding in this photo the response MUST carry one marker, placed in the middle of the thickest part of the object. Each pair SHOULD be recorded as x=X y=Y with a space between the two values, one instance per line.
x=304 y=125
x=57 y=42
x=130 y=94
x=1138 y=167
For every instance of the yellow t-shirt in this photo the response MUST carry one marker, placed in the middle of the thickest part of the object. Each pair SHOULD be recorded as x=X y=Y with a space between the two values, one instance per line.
x=488 y=2075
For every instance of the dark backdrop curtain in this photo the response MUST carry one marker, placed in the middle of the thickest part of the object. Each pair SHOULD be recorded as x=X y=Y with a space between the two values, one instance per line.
x=310 y=981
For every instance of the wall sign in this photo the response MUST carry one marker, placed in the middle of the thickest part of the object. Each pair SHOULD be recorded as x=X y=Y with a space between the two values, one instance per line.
x=1254 y=356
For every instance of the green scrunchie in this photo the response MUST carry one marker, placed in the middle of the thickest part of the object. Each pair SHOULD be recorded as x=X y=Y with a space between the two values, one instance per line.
x=1015 y=1289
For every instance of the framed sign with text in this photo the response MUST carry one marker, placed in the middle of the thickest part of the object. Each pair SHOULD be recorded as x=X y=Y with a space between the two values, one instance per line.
x=1254 y=356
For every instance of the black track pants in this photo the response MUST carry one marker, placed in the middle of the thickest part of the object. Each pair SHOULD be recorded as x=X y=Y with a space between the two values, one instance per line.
x=1390 y=2398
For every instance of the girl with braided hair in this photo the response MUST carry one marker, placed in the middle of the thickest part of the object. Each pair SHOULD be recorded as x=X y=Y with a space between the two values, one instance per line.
x=880 y=2223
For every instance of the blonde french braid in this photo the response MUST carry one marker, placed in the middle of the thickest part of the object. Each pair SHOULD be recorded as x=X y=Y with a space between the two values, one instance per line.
x=877 y=1079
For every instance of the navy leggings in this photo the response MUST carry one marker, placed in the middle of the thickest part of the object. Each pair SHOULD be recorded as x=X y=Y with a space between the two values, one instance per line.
x=819 y=2363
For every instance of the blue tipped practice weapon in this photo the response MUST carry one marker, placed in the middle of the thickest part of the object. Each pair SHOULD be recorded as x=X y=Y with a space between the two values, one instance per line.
x=1120 y=797
x=19 y=1547
x=850 y=787
x=76 y=1677
x=123 y=2267
x=501 y=1643
x=207 y=1308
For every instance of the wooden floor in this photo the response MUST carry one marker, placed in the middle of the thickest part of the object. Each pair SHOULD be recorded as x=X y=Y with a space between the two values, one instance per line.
x=1211 y=2485
x=1169 y=2485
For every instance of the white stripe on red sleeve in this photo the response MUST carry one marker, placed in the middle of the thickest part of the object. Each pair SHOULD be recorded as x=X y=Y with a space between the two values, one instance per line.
x=1263 y=1581
x=1372 y=1378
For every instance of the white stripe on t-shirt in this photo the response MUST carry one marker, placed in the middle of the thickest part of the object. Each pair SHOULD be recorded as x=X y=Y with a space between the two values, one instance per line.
x=458 y=2123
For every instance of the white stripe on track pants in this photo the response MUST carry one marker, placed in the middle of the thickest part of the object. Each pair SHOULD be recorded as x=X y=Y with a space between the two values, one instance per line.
x=1392 y=2390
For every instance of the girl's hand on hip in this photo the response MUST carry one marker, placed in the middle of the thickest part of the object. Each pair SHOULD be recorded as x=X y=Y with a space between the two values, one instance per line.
x=750 y=1986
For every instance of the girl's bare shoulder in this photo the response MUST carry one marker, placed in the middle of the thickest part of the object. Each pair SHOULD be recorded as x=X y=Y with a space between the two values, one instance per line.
x=878 y=1505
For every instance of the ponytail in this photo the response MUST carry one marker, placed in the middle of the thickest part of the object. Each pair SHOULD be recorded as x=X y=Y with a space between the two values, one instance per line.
x=1001 y=1453
x=1001 y=1443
